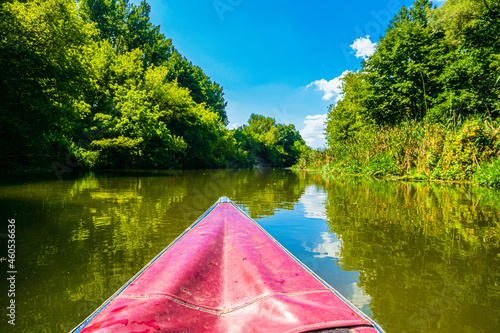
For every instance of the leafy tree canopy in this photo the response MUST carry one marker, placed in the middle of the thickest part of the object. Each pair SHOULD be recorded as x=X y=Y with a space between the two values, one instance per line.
x=270 y=143
x=433 y=64
x=97 y=79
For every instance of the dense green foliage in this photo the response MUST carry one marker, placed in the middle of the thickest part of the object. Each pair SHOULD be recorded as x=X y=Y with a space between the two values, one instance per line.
x=416 y=150
x=42 y=77
x=95 y=84
x=351 y=113
x=268 y=143
x=427 y=102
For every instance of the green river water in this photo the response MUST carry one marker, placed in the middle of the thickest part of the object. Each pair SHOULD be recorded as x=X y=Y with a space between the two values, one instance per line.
x=416 y=257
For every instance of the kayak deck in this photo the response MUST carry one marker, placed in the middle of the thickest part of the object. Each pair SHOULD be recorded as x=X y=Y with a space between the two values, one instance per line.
x=226 y=274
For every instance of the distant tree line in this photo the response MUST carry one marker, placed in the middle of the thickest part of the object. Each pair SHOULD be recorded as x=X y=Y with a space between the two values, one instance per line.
x=96 y=80
x=269 y=143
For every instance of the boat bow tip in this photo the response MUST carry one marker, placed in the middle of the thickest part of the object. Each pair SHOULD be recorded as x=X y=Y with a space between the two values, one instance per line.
x=224 y=200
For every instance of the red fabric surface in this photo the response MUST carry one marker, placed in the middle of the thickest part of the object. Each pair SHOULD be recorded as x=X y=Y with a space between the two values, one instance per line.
x=225 y=275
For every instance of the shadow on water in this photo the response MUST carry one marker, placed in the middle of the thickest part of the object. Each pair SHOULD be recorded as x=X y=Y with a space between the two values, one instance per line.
x=427 y=255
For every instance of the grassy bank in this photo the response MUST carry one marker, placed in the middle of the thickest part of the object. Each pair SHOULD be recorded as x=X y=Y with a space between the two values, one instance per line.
x=416 y=151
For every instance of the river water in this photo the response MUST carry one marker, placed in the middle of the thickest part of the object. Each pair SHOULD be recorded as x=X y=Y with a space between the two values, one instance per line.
x=416 y=257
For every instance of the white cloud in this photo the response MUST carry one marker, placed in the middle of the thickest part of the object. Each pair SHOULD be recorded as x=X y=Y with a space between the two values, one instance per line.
x=314 y=200
x=331 y=88
x=363 y=47
x=357 y=296
x=330 y=247
x=313 y=132
x=339 y=98
x=233 y=126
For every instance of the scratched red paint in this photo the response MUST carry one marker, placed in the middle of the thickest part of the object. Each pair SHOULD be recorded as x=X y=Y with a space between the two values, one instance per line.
x=191 y=286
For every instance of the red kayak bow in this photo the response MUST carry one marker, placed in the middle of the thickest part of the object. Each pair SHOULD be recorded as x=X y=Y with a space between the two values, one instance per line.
x=226 y=274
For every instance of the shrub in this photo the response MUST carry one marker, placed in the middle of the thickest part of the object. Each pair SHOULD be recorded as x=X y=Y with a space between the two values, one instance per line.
x=489 y=174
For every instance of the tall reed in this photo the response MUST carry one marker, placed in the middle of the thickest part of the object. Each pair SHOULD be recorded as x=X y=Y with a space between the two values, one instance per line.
x=416 y=150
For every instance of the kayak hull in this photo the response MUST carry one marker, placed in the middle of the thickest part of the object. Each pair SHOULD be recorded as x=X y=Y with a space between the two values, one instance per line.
x=226 y=274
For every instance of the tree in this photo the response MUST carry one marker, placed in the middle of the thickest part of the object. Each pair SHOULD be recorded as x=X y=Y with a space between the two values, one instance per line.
x=470 y=77
x=42 y=79
x=260 y=125
x=127 y=28
x=291 y=141
x=156 y=123
x=350 y=114
x=274 y=144
x=403 y=71
x=201 y=88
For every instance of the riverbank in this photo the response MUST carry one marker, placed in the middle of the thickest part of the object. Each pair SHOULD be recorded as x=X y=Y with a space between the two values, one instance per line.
x=417 y=152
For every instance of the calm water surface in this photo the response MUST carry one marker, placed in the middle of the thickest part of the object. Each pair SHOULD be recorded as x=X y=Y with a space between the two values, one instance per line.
x=415 y=257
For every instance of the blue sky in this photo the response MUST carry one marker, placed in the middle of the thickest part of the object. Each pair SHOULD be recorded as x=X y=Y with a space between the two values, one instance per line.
x=279 y=58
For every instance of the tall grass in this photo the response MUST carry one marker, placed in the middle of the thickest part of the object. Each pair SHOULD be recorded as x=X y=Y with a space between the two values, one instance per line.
x=416 y=150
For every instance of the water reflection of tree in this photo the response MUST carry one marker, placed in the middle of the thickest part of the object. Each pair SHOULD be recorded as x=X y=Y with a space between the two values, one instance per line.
x=428 y=254
x=262 y=191
x=82 y=239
